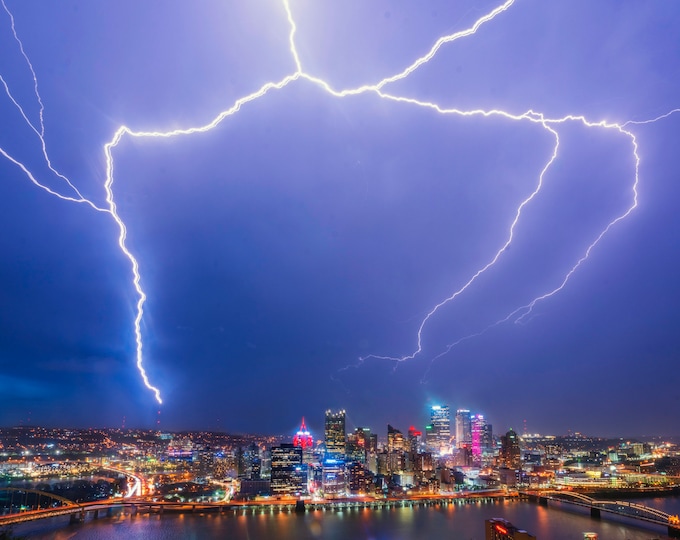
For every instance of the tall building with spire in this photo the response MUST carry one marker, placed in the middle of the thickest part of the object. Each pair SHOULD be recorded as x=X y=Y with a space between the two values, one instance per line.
x=303 y=439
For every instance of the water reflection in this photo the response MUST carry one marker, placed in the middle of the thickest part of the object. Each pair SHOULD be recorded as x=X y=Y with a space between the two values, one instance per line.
x=455 y=521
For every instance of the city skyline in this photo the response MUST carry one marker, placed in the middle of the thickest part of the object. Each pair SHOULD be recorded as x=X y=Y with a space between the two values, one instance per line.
x=307 y=434
x=92 y=477
x=490 y=224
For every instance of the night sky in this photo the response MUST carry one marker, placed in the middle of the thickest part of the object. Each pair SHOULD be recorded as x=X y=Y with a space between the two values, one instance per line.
x=308 y=231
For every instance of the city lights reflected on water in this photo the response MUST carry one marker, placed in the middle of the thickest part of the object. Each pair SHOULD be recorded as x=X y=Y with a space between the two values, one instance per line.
x=448 y=521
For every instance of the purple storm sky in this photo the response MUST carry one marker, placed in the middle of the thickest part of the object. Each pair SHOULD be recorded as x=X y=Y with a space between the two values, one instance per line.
x=307 y=231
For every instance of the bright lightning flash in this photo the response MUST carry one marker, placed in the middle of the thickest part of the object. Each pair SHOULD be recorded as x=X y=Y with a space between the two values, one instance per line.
x=550 y=125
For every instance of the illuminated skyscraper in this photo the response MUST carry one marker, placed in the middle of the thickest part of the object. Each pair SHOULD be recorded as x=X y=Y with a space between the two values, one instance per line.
x=335 y=434
x=359 y=478
x=360 y=444
x=511 y=454
x=369 y=440
x=430 y=437
x=487 y=439
x=303 y=439
x=248 y=462
x=478 y=424
x=395 y=450
x=441 y=428
x=335 y=478
x=463 y=428
x=413 y=447
x=414 y=440
x=395 y=440
x=289 y=475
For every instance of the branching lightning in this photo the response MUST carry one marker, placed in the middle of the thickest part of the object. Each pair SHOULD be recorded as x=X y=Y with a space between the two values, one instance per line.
x=520 y=314
x=40 y=133
x=549 y=125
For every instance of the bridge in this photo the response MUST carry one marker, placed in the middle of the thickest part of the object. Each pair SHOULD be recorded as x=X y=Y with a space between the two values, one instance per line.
x=23 y=503
x=78 y=511
x=20 y=504
x=32 y=504
x=597 y=507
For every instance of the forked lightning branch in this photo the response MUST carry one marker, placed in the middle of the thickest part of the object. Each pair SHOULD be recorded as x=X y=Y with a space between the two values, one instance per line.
x=380 y=90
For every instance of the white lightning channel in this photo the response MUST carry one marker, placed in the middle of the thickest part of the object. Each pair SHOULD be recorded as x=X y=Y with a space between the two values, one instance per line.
x=511 y=231
x=30 y=66
x=651 y=120
x=298 y=74
x=547 y=124
x=41 y=132
x=519 y=314
x=610 y=225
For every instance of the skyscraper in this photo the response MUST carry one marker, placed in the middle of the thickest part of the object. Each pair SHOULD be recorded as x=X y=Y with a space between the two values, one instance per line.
x=303 y=438
x=395 y=440
x=369 y=440
x=289 y=475
x=248 y=462
x=335 y=434
x=511 y=454
x=414 y=440
x=463 y=428
x=487 y=439
x=335 y=478
x=482 y=440
x=478 y=424
x=441 y=428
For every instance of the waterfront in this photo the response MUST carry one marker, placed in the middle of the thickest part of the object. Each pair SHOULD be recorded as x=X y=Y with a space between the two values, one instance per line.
x=464 y=521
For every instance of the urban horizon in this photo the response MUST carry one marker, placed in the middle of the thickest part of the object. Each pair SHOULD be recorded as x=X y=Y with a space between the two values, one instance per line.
x=456 y=459
x=239 y=221
x=315 y=423
x=455 y=451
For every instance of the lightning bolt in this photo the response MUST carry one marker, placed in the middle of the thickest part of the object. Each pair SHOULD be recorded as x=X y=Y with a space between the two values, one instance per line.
x=522 y=312
x=41 y=132
x=79 y=198
x=549 y=125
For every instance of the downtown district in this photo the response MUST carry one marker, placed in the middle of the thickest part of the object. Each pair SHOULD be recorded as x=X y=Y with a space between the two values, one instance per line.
x=451 y=455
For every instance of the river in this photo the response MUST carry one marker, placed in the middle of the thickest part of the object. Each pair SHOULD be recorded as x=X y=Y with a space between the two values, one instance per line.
x=464 y=522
